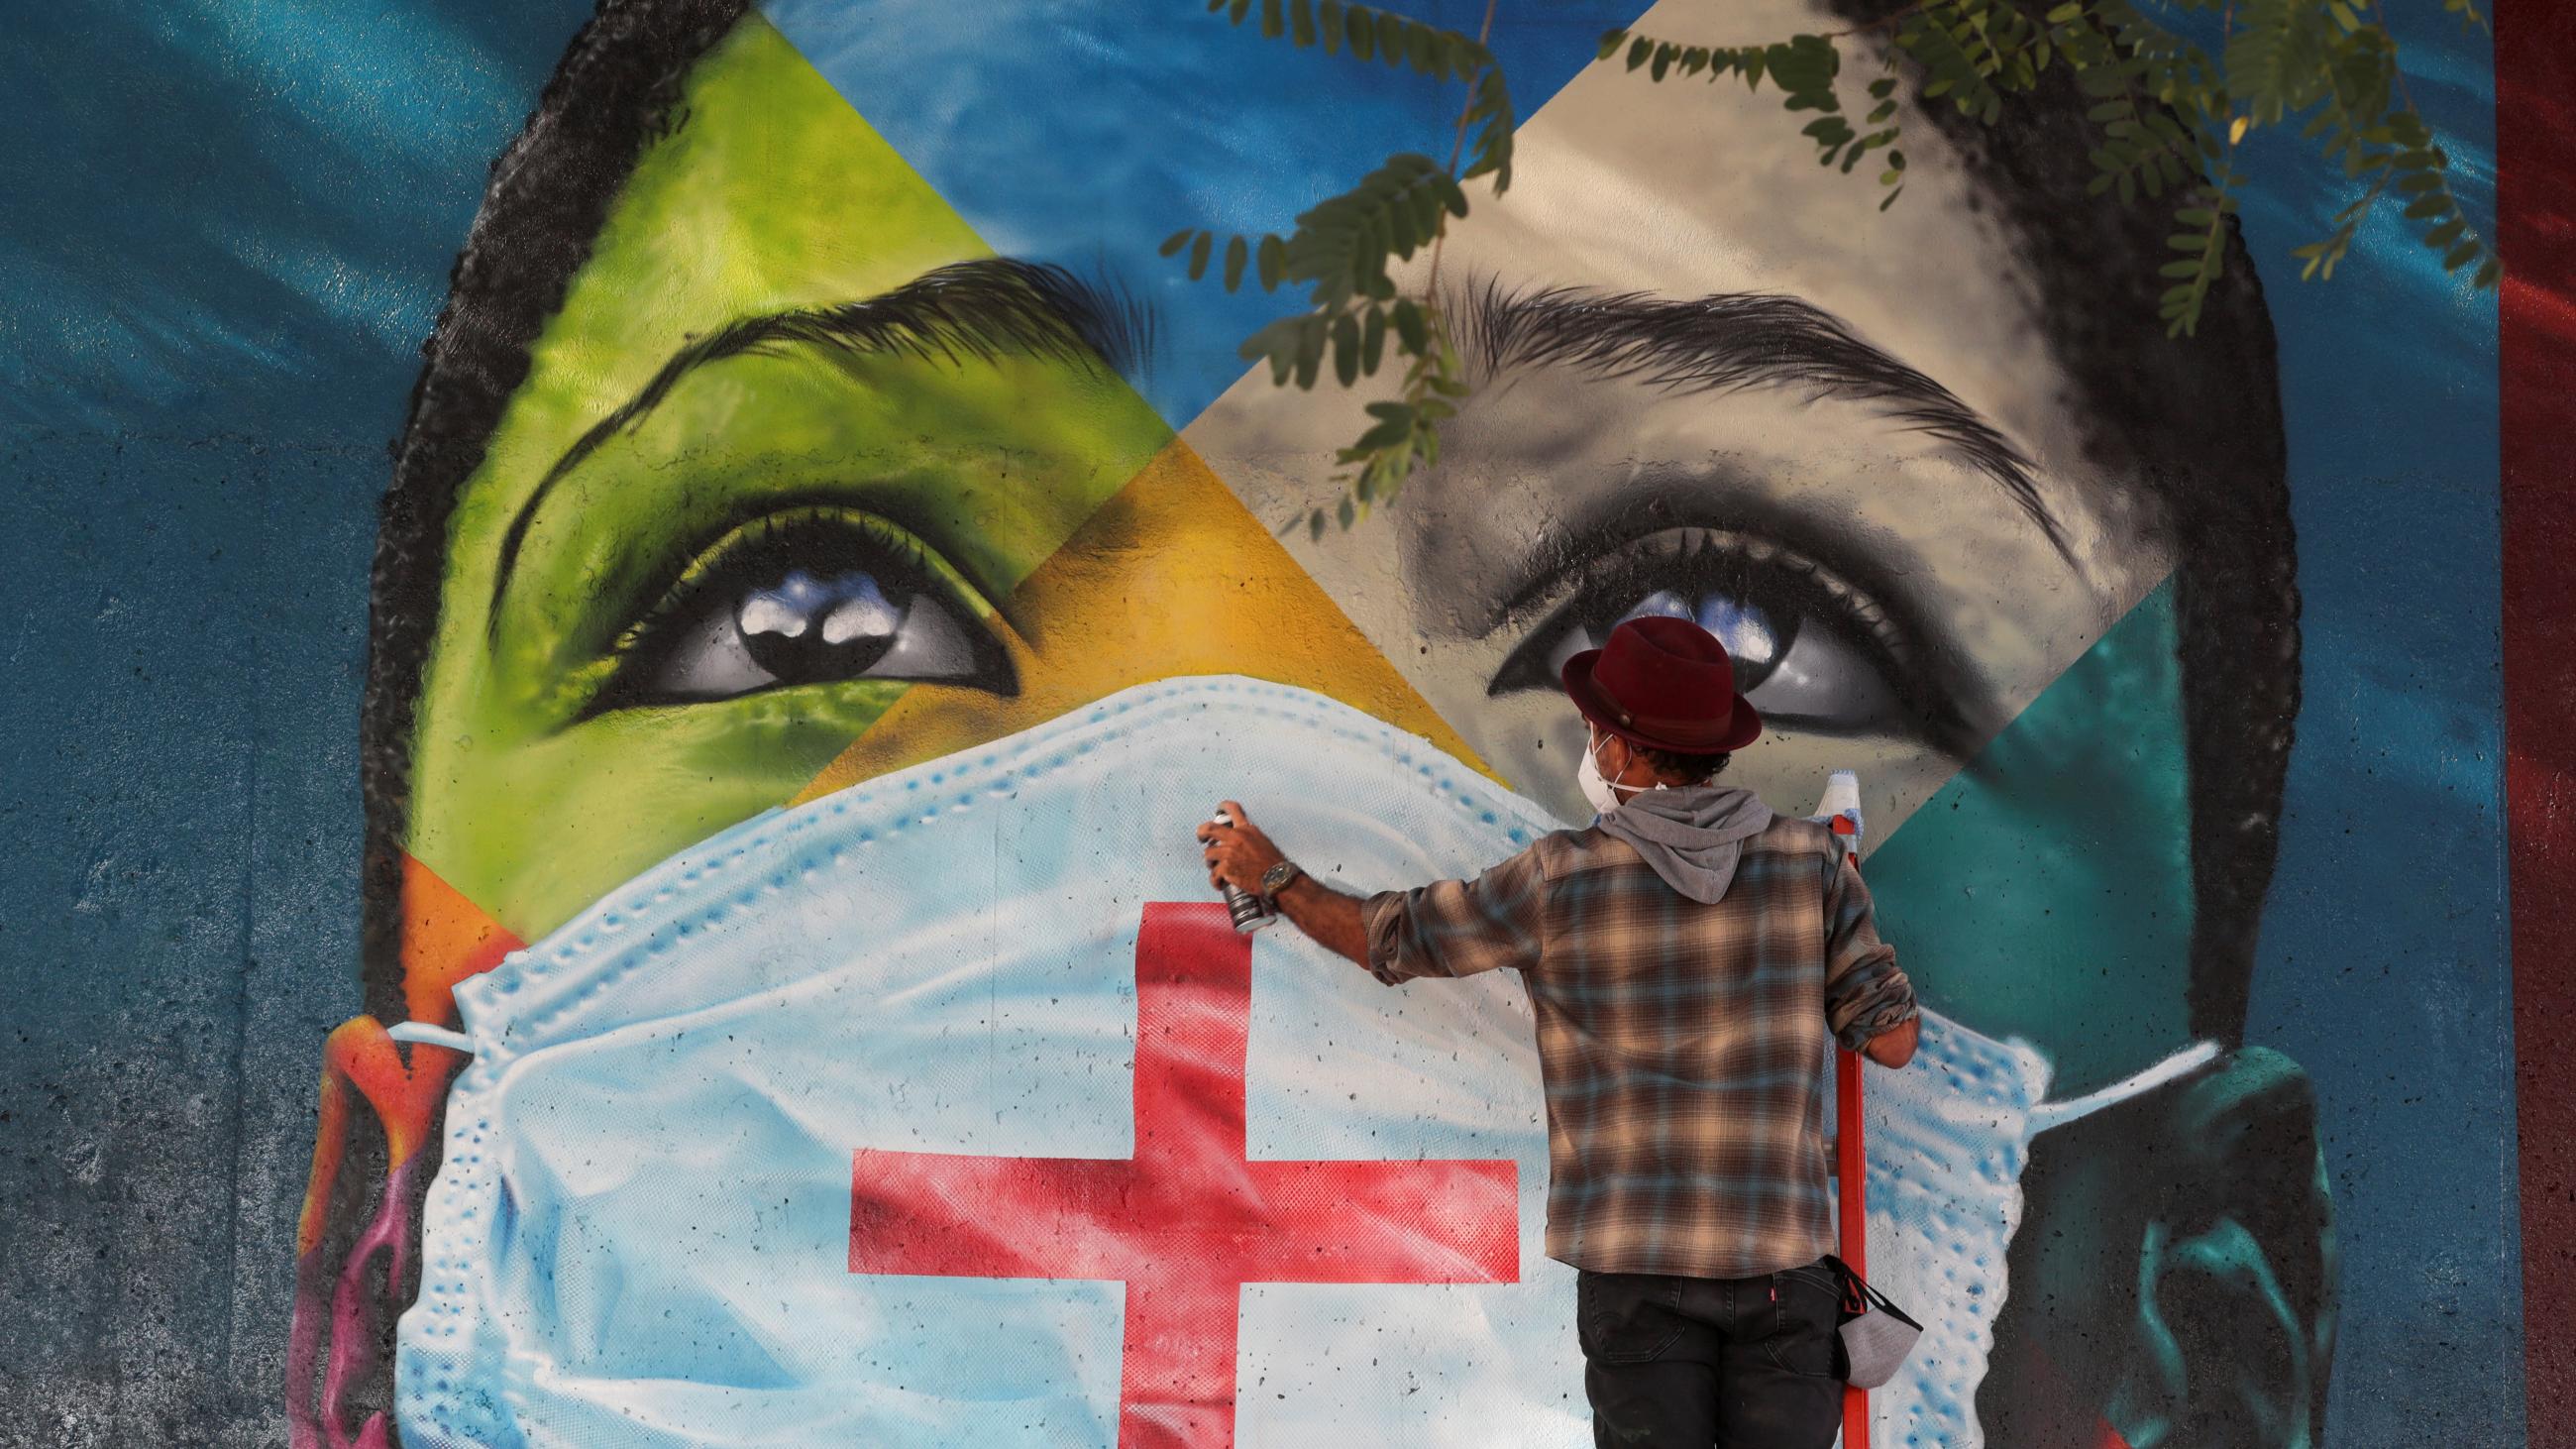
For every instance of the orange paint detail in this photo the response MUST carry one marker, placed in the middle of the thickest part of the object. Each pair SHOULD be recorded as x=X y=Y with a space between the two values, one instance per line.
x=1171 y=577
x=445 y=938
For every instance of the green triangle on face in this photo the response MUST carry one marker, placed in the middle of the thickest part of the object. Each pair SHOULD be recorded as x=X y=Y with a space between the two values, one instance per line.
x=2045 y=892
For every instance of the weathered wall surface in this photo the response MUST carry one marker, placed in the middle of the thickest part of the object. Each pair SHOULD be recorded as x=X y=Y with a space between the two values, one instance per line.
x=781 y=615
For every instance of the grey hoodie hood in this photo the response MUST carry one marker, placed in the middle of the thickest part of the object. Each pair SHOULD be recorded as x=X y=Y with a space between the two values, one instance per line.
x=1692 y=837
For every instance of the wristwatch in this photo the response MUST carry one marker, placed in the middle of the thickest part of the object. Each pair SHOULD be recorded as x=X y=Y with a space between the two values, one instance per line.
x=1277 y=879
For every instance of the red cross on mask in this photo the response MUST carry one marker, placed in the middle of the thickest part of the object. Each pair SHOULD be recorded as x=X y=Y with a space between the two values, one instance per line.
x=1189 y=1219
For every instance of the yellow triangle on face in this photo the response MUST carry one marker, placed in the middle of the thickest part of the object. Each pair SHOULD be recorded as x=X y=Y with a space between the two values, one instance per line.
x=1170 y=577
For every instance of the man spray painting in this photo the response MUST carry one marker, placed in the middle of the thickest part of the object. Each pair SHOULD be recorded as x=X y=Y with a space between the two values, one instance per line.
x=1686 y=958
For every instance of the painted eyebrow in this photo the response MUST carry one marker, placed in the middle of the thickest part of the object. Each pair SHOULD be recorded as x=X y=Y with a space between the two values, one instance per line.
x=1729 y=342
x=980 y=310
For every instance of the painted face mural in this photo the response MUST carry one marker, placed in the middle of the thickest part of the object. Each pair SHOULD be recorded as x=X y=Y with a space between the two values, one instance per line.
x=828 y=569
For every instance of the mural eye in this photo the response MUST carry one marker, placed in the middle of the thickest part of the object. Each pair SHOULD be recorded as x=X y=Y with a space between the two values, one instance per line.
x=818 y=597
x=1809 y=649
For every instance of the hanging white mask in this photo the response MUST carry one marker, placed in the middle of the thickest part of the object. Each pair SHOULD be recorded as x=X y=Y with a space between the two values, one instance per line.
x=934 y=1112
x=1948 y=1137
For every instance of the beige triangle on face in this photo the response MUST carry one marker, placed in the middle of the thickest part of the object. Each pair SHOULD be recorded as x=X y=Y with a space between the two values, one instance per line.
x=1882 y=546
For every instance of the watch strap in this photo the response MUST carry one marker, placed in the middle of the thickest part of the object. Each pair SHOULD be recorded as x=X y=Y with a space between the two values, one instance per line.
x=1279 y=877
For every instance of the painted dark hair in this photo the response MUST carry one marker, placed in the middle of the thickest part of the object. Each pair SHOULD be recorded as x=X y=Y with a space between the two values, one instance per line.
x=2196 y=422
x=549 y=195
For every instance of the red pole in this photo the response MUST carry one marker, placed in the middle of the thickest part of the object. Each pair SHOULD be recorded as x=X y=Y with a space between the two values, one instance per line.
x=1851 y=1166
x=2535 y=60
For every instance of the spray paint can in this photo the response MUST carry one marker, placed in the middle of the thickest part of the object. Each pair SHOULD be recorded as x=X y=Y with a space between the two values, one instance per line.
x=1246 y=908
x=1840 y=808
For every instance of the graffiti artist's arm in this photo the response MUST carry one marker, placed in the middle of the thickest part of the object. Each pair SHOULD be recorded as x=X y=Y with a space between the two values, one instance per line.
x=1241 y=854
x=1458 y=927
x=1447 y=928
x=1331 y=919
x=1869 y=1002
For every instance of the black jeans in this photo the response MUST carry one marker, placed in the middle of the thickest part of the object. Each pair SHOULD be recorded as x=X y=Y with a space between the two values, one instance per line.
x=1738 y=1363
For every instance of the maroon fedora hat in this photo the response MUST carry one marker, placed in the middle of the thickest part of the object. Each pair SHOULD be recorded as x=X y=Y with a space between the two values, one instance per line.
x=1664 y=683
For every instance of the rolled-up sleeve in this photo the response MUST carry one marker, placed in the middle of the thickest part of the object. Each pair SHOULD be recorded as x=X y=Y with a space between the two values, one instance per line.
x=1865 y=993
x=1458 y=927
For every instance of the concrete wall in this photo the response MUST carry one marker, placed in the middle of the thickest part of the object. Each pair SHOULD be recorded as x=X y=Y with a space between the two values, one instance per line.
x=755 y=468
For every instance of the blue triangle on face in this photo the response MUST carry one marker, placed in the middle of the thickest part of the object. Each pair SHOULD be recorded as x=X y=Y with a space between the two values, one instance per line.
x=1085 y=135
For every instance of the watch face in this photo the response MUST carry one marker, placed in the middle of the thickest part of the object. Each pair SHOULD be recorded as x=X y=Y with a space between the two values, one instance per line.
x=1277 y=877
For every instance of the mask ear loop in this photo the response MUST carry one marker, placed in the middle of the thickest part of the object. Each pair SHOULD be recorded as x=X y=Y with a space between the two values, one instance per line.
x=2180 y=1064
x=421 y=1033
x=1592 y=747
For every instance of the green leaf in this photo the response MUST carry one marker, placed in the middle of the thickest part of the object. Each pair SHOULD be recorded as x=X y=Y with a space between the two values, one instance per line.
x=1273 y=263
x=1387 y=434
x=1301 y=17
x=1410 y=328
x=2461 y=255
x=1273 y=23
x=1236 y=253
x=1199 y=254
x=1346 y=349
x=1611 y=40
x=1422 y=47
x=2488 y=275
x=1179 y=239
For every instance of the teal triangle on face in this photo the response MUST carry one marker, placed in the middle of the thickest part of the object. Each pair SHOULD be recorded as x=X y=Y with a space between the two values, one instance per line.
x=2045 y=892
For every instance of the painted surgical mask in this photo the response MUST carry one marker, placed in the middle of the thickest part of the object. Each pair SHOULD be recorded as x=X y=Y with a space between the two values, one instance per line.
x=949 y=1109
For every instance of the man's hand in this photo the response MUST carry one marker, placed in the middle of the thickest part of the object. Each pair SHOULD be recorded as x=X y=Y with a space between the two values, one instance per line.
x=1238 y=854
x=1894 y=1047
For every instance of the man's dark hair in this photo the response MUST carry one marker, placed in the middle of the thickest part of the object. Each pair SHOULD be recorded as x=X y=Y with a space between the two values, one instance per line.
x=1685 y=769
x=2196 y=422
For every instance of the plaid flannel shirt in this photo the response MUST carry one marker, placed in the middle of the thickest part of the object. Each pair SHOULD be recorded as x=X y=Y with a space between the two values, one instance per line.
x=1683 y=1046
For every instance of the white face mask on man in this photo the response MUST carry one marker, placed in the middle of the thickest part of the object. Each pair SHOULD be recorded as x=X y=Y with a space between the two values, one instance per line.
x=662 y=1214
x=1604 y=795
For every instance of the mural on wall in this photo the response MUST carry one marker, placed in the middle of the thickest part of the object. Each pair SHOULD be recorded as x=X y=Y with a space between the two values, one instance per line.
x=829 y=567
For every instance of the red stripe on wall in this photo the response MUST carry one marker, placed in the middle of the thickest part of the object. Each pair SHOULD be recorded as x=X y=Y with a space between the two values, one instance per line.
x=2535 y=48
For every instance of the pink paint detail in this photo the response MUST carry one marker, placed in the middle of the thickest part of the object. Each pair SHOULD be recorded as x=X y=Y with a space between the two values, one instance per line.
x=353 y=1335
x=1188 y=1219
